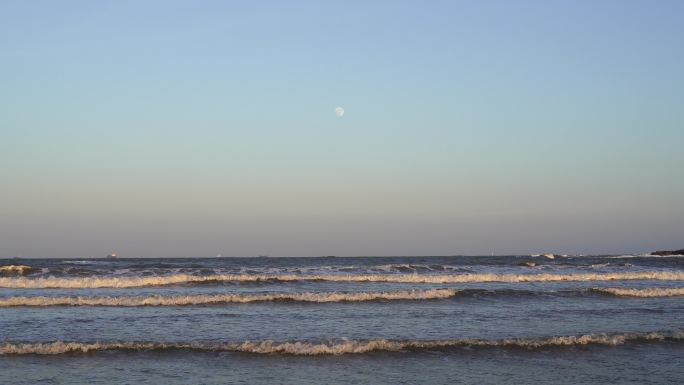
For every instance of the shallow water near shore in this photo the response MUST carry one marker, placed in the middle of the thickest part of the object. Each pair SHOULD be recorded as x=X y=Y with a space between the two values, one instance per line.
x=433 y=320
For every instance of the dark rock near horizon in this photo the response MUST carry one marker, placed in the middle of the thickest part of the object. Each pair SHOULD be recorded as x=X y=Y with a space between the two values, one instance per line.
x=664 y=253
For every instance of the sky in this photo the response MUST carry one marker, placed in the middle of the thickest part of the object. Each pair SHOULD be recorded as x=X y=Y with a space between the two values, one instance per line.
x=181 y=128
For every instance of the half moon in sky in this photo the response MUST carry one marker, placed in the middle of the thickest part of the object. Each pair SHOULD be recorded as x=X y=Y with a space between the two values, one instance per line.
x=339 y=111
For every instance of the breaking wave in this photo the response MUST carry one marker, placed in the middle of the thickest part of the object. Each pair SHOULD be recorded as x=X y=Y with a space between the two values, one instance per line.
x=644 y=293
x=127 y=281
x=189 y=300
x=341 y=347
x=15 y=269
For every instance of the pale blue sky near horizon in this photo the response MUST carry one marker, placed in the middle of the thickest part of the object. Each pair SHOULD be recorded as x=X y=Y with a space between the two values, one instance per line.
x=178 y=128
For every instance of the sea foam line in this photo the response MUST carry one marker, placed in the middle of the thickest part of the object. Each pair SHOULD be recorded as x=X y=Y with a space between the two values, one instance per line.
x=341 y=347
x=644 y=293
x=188 y=300
x=123 y=282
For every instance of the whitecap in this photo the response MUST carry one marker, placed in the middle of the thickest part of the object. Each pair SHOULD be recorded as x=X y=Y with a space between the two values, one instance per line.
x=644 y=293
x=189 y=300
x=305 y=348
x=128 y=281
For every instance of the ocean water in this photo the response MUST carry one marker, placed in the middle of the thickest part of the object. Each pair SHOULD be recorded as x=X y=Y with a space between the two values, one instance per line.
x=374 y=320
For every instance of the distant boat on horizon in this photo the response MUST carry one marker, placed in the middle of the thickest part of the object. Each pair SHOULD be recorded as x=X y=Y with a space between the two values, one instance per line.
x=112 y=255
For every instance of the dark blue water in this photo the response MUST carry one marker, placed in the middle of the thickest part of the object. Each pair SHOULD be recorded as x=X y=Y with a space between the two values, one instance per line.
x=433 y=320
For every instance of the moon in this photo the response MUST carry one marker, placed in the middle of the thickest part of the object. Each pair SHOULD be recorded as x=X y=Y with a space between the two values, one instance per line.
x=339 y=111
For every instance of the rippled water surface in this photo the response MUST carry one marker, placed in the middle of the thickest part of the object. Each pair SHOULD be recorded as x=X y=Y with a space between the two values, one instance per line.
x=433 y=320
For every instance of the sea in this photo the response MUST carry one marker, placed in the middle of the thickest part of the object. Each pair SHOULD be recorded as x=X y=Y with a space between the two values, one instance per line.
x=343 y=320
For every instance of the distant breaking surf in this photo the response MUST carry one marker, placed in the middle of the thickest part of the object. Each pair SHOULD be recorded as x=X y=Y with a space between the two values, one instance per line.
x=189 y=300
x=341 y=347
x=15 y=269
x=128 y=281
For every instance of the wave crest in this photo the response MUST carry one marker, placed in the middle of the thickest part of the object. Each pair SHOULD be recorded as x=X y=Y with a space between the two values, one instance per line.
x=124 y=282
x=644 y=293
x=342 y=347
x=188 y=300
x=15 y=269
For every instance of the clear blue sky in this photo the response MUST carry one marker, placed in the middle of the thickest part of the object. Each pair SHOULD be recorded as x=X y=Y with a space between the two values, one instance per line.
x=179 y=128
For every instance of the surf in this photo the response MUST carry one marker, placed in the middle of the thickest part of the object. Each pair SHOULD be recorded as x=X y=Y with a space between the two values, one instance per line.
x=341 y=347
x=131 y=281
x=15 y=269
x=190 y=300
x=642 y=293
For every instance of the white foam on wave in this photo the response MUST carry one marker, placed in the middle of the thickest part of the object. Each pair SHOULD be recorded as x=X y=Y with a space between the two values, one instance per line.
x=127 y=281
x=15 y=269
x=341 y=347
x=644 y=293
x=188 y=300
x=77 y=262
